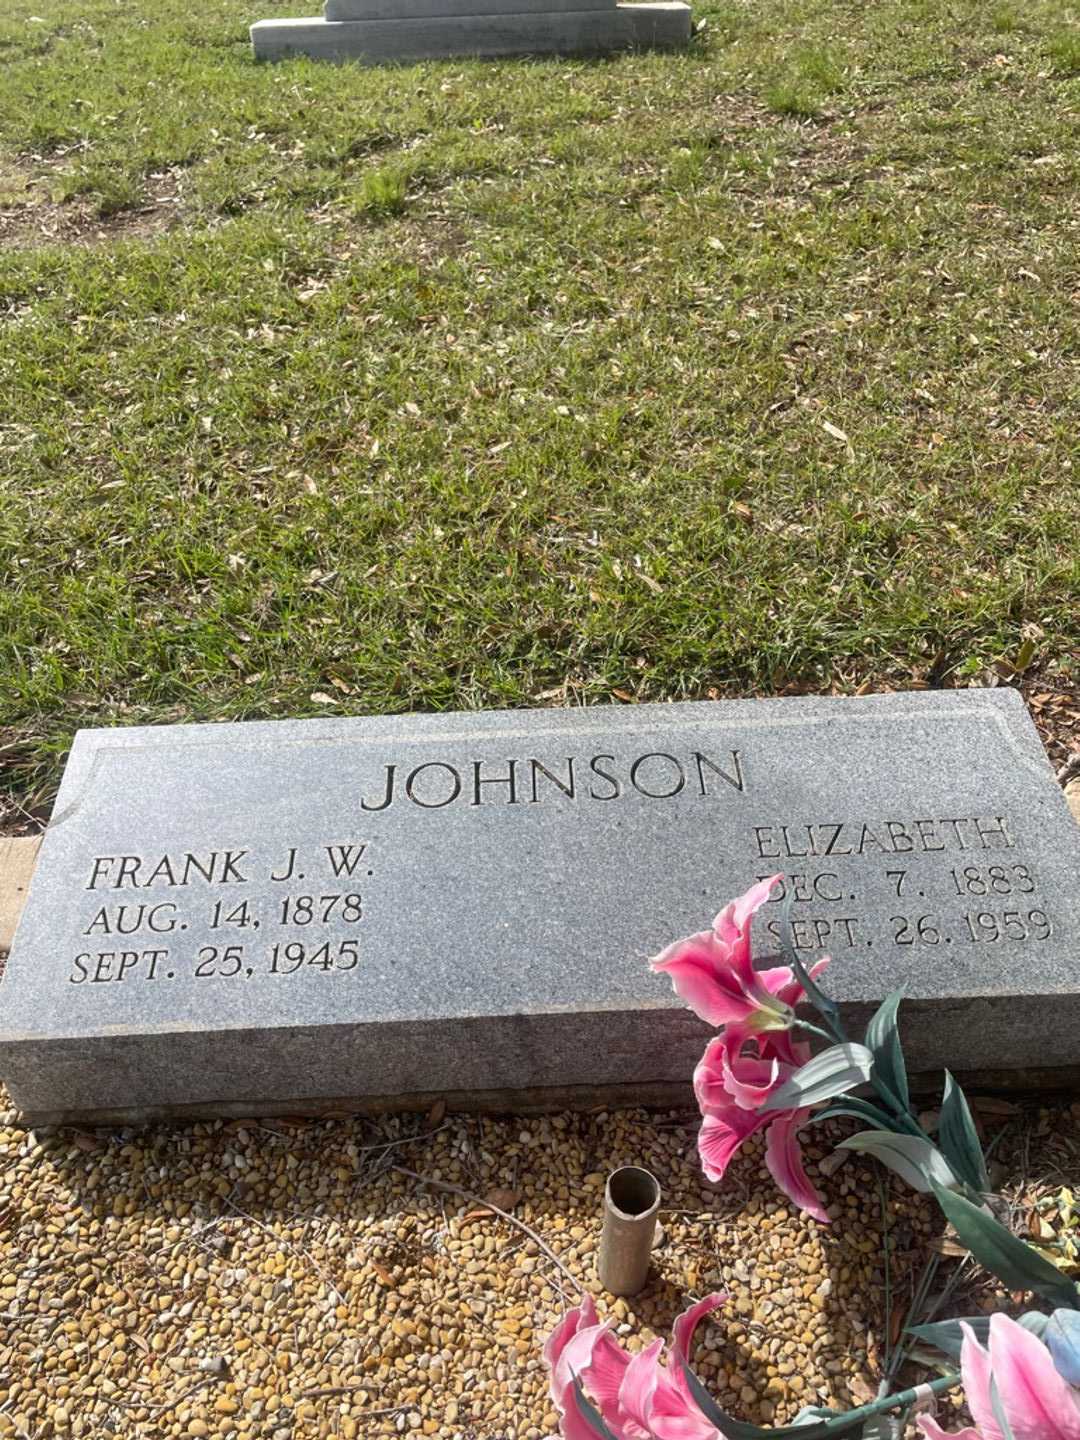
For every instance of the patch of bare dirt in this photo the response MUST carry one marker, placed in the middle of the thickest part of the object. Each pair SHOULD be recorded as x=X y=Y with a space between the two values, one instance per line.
x=22 y=811
x=29 y=216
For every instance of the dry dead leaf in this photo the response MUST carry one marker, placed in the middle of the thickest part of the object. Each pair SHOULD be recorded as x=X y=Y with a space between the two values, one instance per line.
x=944 y=1246
x=436 y=1113
x=861 y=1392
x=835 y=432
x=991 y=1105
x=623 y=695
x=500 y=1199
x=319 y=697
x=504 y=1199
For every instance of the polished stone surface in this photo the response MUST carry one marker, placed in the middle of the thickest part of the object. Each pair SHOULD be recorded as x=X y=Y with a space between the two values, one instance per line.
x=248 y=916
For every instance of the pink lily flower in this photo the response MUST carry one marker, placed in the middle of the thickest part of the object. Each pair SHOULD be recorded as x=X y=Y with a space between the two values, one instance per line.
x=1037 y=1403
x=637 y=1397
x=731 y=1085
x=714 y=973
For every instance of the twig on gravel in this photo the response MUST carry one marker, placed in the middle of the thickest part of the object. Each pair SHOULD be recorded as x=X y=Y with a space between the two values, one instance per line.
x=166 y=1404
x=403 y=1140
x=281 y=1241
x=513 y=1219
x=346 y=1390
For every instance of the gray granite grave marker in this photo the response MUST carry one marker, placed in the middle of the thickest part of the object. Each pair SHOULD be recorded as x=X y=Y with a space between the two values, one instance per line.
x=301 y=915
x=377 y=31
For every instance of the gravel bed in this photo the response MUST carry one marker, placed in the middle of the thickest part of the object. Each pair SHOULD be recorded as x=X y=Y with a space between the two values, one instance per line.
x=285 y=1279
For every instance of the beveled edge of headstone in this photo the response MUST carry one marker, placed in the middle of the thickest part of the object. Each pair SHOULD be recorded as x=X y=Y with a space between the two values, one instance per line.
x=1003 y=706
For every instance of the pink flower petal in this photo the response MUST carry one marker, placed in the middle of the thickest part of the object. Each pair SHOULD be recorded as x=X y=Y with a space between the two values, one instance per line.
x=749 y=1080
x=682 y=1334
x=933 y=1431
x=575 y=1427
x=581 y=1317
x=709 y=1076
x=732 y=929
x=607 y=1368
x=721 y=1135
x=682 y=1341
x=640 y=1379
x=702 y=976
x=725 y=1074
x=781 y=1045
x=792 y=993
x=975 y=1369
x=560 y=1337
x=783 y=1157
x=777 y=979
x=1038 y=1403
x=675 y=1416
x=575 y=1360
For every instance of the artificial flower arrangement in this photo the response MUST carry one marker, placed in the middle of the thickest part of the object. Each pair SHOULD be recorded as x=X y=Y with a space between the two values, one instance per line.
x=1021 y=1379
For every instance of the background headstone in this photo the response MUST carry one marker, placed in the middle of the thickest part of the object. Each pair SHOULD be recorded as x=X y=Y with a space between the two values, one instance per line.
x=380 y=31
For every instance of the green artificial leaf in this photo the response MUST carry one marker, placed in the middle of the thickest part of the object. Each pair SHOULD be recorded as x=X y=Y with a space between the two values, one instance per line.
x=912 y=1157
x=834 y=1072
x=812 y=1423
x=883 y=1038
x=589 y=1413
x=852 y=1106
x=959 y=1140
x=740 y=1429
x=882 y=1427
x=946 y=1335
x=1015 y=1263
x=1062 y=1338
x=826 y=1008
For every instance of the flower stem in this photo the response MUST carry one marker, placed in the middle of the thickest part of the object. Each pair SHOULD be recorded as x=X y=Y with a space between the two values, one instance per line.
x=900 y=1401
x=813 y=1029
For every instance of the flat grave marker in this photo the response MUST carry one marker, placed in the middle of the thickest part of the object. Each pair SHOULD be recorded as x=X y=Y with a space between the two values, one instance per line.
x=319 y=914
x=375 y=32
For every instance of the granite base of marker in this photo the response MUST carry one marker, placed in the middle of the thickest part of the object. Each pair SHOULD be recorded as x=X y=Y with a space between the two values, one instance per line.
x=596 y=30
x=237 y=1073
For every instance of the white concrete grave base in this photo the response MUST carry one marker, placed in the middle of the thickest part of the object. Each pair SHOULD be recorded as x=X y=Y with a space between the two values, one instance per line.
x=431 y=37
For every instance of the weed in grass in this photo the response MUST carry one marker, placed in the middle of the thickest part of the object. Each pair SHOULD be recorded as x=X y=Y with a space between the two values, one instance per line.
x=807 y=79
x=1005 y=20
x=382 y=192
x=111 y=189
x=1064 y=50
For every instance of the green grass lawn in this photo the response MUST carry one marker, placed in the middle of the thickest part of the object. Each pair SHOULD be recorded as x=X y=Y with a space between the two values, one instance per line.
x=330 y=390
